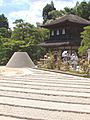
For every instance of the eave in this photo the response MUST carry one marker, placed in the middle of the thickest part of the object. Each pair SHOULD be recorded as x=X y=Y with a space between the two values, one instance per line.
x=67 y=18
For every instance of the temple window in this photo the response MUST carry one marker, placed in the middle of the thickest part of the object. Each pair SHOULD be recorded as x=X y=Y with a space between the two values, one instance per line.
x=57 y=32
x=52 y=33
x=63 y=31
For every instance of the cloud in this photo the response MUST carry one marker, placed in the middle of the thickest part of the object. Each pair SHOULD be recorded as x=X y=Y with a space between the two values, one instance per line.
x=21 y=1
x=1 y=2
x=60 y=4
x=34 y=12
x=31 y=10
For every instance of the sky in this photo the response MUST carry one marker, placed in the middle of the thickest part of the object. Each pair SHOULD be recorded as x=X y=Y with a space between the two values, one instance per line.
x=30 y=10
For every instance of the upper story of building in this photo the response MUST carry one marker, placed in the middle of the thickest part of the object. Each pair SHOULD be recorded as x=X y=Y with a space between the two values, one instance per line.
x=66 y=29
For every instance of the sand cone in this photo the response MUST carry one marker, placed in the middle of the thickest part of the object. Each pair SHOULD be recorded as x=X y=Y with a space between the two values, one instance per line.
x=20 y=60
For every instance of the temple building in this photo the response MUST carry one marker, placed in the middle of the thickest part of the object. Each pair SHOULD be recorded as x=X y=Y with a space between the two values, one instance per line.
x=65 y=33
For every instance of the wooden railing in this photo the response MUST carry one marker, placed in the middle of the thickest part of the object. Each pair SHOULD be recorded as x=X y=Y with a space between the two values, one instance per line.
x=62 y=38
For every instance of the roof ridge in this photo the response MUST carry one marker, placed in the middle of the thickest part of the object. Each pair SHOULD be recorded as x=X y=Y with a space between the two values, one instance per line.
x=68 y=17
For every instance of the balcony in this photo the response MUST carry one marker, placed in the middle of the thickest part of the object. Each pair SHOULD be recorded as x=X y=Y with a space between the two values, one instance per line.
x=63 y=38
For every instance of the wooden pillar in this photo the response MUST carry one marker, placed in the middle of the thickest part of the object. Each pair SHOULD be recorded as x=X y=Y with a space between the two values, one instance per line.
x=88 y=51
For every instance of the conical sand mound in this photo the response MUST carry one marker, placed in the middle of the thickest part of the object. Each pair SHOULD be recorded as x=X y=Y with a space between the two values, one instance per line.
x=20 y=60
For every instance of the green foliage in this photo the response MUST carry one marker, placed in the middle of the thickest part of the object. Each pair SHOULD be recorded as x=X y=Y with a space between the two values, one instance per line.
x=85 y=66
x=54 y=14
x=3 y=22
x=4 y=32
x=24 y=37
x=68 y=10
x=39 y=35
x=85 y=43
x=4 y=27
x=48 y=8
x=50 y=63
x=22 y=30
x=81 y=9
x=3 y=50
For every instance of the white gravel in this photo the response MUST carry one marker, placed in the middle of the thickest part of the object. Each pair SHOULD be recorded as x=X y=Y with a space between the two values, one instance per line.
x=30 y=94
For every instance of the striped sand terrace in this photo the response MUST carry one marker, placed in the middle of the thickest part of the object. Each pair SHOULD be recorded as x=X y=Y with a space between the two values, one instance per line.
x=32 y=94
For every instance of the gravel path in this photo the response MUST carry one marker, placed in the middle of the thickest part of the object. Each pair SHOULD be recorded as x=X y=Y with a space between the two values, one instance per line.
x=30 y=94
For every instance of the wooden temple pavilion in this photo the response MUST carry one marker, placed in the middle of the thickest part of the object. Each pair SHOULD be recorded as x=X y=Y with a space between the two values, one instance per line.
x=65 y=33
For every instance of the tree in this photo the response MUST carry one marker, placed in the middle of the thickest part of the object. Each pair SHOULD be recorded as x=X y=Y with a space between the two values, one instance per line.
x=22 y=30
x=83 y=10
x=68 y=10
x=4 y=22
x=48 y=8
x=85 y=43
x=54 y=14
x=4 y=27
x=26 y=32
x=3 y=51
x=89 y=9
x=4 y=32
x=26 y=37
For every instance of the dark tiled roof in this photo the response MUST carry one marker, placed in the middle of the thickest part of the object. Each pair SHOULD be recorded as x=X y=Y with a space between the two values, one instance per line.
x=70 y=18
x=54 y=44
